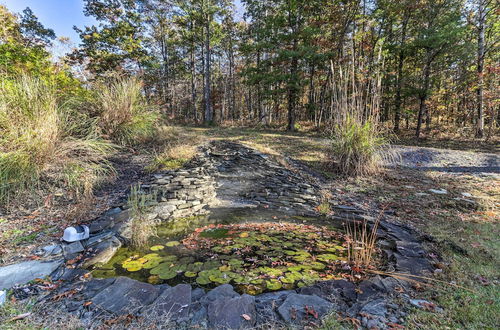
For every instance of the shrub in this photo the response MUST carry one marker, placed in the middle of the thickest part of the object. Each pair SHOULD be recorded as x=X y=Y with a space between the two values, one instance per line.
x=36 y=141
x=357 y=138
x=357 y=148
x=124 y=115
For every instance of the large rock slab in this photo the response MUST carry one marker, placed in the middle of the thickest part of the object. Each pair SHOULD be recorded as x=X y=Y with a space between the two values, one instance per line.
x=224 y=291
x=233 y=313
x=174 y=303
x=26 y=271
x=126 y=296
x=294 y=307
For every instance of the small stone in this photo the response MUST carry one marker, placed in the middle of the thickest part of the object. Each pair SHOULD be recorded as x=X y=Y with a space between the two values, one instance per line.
x=293 y=308
x=99 y=238
x=71 y=249
x=3 y=297
x=164 y=207
x=52 y=250
x=439 y=191
x=376 y=307
x=184 y=206
x=427 y=305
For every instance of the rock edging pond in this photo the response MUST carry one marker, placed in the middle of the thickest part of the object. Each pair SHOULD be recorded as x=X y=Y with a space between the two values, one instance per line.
x=227 y=175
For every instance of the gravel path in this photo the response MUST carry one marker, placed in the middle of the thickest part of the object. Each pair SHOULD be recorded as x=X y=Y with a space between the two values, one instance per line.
x=445 y=160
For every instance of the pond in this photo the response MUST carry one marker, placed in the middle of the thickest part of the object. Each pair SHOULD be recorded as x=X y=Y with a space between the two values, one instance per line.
x=254 y=250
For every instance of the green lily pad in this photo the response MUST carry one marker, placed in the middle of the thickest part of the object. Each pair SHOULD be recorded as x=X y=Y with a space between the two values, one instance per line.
x=162 y=268
x=327 y=257
x=202 y=280
x=172 y=244
x=273 y=284
x=167 y=274
x=157 y=248
x=190 y=274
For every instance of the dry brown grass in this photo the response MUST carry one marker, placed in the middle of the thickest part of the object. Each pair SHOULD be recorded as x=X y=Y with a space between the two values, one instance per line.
x=142 y=226
x=361 y=239
x=179 y=147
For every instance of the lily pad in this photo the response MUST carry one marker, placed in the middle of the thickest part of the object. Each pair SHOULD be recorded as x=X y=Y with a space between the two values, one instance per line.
x=273 y=284
x=327 y=257
x=172 y=244
x=154 y=279
x=157 y=247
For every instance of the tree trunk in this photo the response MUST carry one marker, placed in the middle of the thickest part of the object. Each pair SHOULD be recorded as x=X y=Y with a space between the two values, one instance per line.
x=193 y=83
x=209 y=115
x=399 y=79
x=292 y=93
x=423 y=94
x=480 y=66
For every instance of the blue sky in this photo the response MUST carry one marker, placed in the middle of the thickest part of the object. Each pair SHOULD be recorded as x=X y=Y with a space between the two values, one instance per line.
x=61 y=15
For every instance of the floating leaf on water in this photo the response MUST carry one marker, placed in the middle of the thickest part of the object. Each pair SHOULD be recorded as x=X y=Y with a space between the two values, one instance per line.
x=225 y=268
x=154 y=279
x=161 y=268
x=317 y=265
x=157 y=247
x=295 y=268
x=190 y=274
x=202 y=280
x=167 y=274
x=220 y=279
x=327 y=257
x=132 y=265
x=172 y=243
x=235 y=262
x=244 y=234
x=273 y=284
x=270 y=271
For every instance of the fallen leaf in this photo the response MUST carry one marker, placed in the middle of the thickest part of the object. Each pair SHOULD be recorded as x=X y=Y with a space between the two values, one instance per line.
x=88 y=303
x=246 y=317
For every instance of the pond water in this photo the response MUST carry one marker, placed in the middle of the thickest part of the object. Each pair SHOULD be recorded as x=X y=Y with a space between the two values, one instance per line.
x=254 y=250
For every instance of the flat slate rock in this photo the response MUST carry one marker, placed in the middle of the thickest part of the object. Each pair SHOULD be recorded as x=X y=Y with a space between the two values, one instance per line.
x=174 y=303
x=223 y=291
x=24 y=272
x=233 y=313
x=126 y=296
x=293 y=308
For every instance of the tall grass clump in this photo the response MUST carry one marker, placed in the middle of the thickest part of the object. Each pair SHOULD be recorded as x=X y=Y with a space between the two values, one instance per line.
x=142 y=227
x=36 y=145
x=125 y=116
x=361 y=240
x=357 y=138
